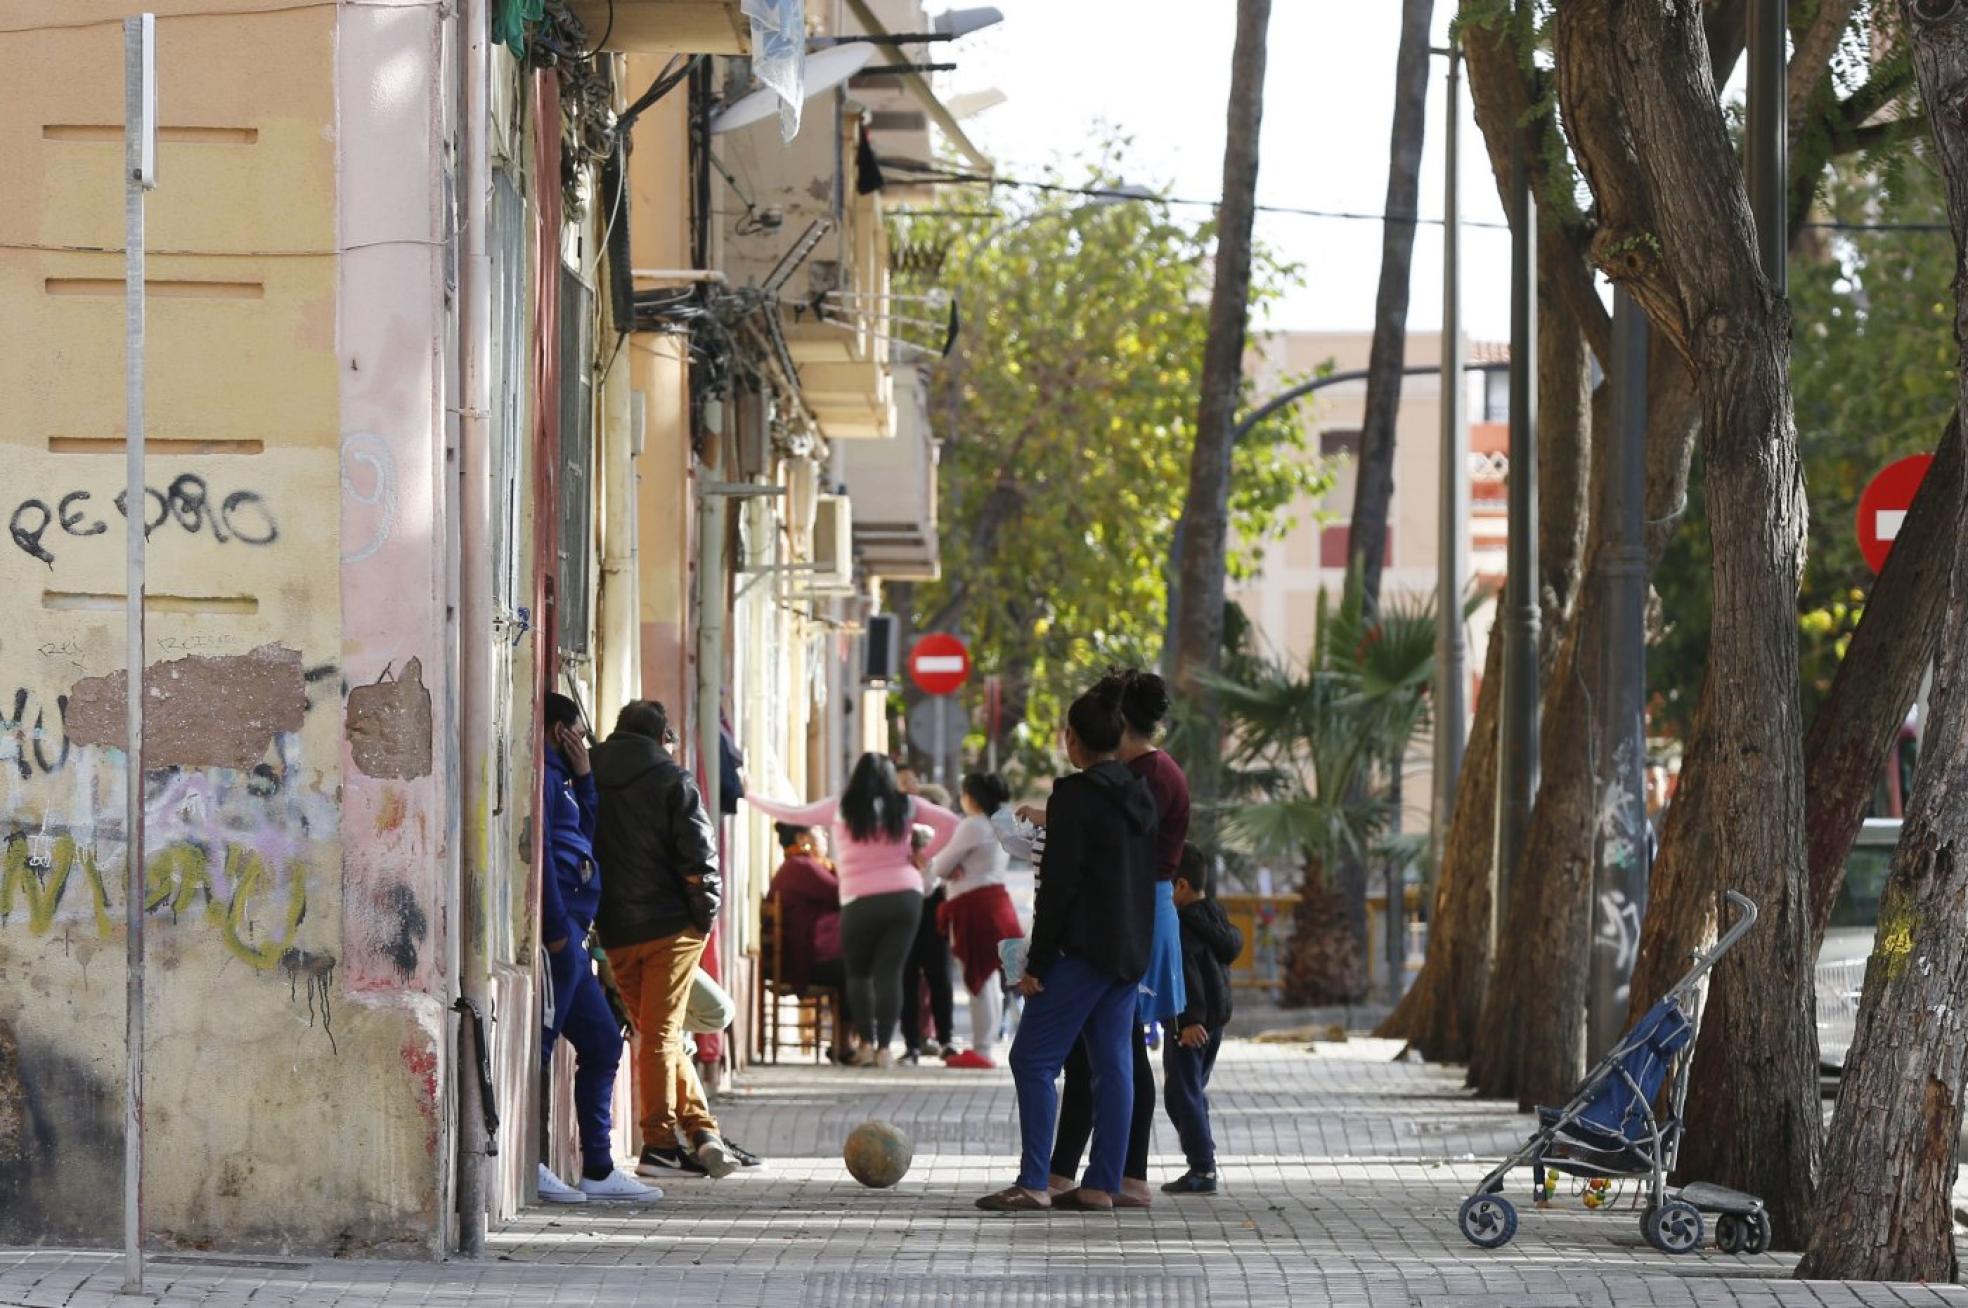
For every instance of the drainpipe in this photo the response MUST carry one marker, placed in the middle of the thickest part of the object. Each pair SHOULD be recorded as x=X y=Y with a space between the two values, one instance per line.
x=620 y=657
x=476 y=1144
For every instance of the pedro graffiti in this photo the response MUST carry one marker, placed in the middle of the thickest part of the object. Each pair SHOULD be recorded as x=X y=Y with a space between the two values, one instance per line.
x=187 y=503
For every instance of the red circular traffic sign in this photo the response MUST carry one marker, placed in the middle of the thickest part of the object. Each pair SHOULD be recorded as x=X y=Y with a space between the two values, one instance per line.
x=1884 y=503
x=939 y=663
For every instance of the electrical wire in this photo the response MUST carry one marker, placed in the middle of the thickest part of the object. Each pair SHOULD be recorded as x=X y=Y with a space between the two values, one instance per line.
x=606 y=32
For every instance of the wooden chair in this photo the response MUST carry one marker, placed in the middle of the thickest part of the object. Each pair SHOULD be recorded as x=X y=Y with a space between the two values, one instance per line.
x=816 y=1009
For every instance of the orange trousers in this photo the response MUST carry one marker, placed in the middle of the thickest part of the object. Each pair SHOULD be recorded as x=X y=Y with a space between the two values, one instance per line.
x=654 y=978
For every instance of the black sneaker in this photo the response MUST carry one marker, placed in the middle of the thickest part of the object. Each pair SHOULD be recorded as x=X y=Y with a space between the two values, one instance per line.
x=742 y=1156
x=1192 y=1183
x=657 y=1162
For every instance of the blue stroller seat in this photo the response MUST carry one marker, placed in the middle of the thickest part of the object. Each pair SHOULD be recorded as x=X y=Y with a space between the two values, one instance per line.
x=1625 y=1122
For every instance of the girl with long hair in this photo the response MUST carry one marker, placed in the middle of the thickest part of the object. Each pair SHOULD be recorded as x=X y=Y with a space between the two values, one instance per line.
x=977 y=911
x=881 y=890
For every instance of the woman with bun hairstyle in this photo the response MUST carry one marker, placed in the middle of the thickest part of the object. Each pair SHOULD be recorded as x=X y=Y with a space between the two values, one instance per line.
x=1144 y=700
x=977 y=911
x=1092 y=924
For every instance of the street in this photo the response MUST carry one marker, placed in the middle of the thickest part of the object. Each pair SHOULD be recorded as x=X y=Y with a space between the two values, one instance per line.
x=1342 y=1171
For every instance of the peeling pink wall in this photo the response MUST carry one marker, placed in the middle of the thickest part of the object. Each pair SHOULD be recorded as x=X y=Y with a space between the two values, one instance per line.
x=390 y=348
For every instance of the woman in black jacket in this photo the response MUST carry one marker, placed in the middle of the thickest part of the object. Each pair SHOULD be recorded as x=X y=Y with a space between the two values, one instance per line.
x=1092 y=926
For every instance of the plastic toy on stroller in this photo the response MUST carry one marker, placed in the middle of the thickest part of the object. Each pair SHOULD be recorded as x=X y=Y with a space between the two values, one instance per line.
x=1610 y=1131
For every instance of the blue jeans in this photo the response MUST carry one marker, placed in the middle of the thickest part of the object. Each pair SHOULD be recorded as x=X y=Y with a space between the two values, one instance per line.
x=1185 y=1091
x=581 y=1014
x=1078 y=1000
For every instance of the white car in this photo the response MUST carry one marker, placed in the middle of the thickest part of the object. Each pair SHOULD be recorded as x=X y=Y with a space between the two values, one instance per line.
x=1848 y=939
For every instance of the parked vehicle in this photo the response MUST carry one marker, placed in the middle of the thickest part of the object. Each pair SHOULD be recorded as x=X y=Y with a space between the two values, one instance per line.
x=1848 y=940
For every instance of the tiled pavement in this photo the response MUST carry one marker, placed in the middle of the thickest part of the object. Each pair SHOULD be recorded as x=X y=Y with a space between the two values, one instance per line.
x=1342 y=1172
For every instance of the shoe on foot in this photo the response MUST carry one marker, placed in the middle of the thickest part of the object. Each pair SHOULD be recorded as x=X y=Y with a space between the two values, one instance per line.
x=553 y=1190
x=621 y=1188
x=1192 y=1183
x=862 y=1057
x=744 y=1157
x=969 y=1058
x=932 y=1048
x=658 y=1162
x=883 y=1058
x=713 y=1156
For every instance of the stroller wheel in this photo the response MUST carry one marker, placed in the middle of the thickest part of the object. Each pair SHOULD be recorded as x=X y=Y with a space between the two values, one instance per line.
x=1730 y=1233
x=1673 y=1228
x=1488 y=1220
x=1756 y=1234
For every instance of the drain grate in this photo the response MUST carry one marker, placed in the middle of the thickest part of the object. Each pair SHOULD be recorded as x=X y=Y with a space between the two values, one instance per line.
x=900 y=1290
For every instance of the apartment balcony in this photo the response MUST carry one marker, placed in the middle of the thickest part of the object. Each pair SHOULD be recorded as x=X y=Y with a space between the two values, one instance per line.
x=893 y=485
x=846 y=379
x=667 y=26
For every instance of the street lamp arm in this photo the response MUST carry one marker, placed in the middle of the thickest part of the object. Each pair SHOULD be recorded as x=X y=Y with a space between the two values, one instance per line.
x=1288 y=398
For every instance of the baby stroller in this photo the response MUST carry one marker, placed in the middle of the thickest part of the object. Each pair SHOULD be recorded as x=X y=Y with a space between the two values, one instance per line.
x=1610 y=1131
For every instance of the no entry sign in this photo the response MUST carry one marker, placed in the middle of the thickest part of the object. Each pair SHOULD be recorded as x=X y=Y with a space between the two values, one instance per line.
x=1883 y=506
x=939 y=663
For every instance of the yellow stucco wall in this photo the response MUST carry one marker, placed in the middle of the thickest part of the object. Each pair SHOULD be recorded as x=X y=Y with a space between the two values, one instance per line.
x=280 y=1113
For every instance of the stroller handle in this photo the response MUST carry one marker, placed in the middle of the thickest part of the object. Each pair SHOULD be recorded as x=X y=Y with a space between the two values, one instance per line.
x=1745 y=919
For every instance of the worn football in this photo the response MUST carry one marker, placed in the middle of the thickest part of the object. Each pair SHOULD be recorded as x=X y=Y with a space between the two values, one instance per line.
x=878 y=1154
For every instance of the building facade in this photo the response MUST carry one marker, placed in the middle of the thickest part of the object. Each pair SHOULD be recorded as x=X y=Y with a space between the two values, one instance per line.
x=467 y=382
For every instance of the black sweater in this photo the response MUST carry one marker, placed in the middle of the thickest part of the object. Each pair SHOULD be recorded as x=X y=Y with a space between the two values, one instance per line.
x=1210 y=944
x=1097 y=877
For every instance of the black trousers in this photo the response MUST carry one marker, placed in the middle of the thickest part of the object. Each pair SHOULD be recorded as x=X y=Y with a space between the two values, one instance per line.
x=1076 y=1112
x=929 y=961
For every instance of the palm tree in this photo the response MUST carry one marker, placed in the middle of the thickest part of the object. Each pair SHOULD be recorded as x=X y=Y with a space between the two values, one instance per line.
x=1312 y=772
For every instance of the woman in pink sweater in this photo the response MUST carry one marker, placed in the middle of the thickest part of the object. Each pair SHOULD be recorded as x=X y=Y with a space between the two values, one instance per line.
x=881 y=890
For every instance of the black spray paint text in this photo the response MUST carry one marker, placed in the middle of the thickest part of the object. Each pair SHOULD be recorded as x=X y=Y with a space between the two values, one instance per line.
x=241 y=516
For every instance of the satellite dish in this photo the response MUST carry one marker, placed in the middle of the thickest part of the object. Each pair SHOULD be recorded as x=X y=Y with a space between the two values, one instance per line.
x=825 y=69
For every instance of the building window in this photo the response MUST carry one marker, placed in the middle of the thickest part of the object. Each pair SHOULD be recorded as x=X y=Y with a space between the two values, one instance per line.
x=1340 y=440
x=1496 y=395
x=576 y=459
x=1334 y=541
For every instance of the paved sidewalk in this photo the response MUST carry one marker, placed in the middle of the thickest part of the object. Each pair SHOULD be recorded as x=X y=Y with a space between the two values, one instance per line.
x=1342 y=1171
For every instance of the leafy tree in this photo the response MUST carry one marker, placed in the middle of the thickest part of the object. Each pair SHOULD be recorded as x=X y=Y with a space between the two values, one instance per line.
x=1873 y=378
x=1314 y=767
x=1067 y=412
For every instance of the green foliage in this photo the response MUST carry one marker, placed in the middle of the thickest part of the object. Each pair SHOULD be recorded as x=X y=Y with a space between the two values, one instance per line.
x=1067 y=413
x=1873 y=380
x=1317 y=745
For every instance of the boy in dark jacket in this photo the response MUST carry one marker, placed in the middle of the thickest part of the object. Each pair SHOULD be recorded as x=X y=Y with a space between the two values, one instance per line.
x=1092 y=926
x=1209 y=945
x=577 y=1008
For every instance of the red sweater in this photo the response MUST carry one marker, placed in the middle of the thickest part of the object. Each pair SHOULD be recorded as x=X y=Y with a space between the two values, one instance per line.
x=1171 y=791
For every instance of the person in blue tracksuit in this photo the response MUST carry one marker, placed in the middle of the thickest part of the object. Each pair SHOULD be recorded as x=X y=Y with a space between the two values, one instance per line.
x=577 y=1007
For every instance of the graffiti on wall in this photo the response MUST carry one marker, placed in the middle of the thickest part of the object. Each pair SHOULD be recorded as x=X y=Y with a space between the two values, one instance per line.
x=217 y=855
x=39 y=526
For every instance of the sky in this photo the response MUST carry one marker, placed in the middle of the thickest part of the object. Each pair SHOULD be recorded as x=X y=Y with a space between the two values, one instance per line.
x=1159 y=70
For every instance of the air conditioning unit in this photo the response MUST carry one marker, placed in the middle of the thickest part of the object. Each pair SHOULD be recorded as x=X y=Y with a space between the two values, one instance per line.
x=833 y=546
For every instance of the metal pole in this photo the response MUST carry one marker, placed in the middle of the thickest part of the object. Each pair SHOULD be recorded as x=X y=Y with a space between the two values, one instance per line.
x=1451 y=677
x=472 y=535
x=1766 y=139
x=1518 y=771
x=1619 y=866
x=139 y=176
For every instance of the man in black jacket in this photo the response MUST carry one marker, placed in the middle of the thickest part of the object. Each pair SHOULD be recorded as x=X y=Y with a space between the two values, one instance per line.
x=1209 y=945
x=659 y=901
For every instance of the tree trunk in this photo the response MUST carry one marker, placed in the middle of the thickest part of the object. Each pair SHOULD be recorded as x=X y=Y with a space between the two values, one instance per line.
x=1196 y=608
x=1325 y=967
x=1437 y=1017
x=1636 y=88
x=1890 y=1167
x=1373 y=478
x=1878 y=678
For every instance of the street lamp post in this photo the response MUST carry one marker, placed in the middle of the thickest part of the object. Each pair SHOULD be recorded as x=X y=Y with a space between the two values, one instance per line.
x=1451 y=654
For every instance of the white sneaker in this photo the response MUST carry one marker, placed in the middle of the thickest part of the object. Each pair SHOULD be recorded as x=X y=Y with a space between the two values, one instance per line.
x=931 y=1049
x=714 y=1157
x=884 y=1058
x=620 y=1188
x=553 y=1190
